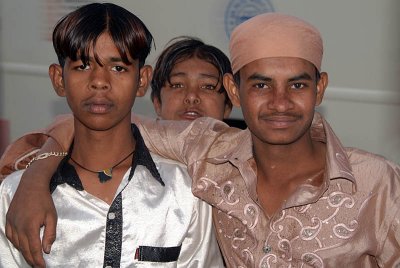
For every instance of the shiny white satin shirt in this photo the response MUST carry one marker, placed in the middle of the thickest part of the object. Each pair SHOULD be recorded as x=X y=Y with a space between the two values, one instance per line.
x=155 y=216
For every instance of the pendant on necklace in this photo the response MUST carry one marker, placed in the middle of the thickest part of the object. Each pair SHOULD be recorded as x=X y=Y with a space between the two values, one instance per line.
x=105 y=175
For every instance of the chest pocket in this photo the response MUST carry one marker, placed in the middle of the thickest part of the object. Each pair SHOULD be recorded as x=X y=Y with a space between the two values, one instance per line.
x=157 y=254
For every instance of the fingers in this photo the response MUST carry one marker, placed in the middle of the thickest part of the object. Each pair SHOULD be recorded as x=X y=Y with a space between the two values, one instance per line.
x=19 y=242
x=23 y=225
x=34 y=248
x=25 y=249
x=26 y=239
x=49 y=235
x=29 y=245
x=9 y=235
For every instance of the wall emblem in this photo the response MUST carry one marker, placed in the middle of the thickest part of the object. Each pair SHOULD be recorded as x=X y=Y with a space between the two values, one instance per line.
x=239 y=11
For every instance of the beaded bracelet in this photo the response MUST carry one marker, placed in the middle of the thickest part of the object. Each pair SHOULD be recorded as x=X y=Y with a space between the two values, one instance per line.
x=45 y=155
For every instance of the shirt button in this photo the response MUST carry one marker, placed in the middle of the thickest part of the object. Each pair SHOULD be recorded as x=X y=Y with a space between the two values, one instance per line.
x=227 y=189
x=267 y=249
x=251 y=211
x=111 y=216
x=307 y=258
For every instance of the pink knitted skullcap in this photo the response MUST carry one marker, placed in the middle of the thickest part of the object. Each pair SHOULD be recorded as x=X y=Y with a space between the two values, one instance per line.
x=274 y=35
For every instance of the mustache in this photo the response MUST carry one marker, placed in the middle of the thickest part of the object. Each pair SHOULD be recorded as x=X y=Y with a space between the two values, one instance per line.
x=281 y=115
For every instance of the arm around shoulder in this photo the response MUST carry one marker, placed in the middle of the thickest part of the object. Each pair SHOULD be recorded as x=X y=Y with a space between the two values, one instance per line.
x=24 y=149
x=183 y=141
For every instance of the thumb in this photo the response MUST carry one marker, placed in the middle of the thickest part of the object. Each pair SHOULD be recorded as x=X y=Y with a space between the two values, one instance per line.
x=49 y=234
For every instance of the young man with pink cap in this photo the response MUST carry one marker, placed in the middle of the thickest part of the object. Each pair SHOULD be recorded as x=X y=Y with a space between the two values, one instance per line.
x=285 y=192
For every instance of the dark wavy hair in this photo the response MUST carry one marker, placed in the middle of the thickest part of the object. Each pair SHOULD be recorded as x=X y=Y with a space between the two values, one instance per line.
x=75 y=33
x=180 y=49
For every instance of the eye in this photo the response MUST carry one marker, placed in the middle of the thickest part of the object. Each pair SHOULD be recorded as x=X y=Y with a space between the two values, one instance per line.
x=83 y=67
x=119 y=68
x=298 y=86
x=261 y=85
x=208 y=87
x=176 y=85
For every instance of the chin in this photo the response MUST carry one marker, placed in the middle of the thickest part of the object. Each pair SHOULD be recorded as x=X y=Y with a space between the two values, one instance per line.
x=278 y=139
x=100 y=125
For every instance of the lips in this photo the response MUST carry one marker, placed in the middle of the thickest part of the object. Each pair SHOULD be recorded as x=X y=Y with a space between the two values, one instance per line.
x=98 y=106
x=191 y=115
x=280 y=121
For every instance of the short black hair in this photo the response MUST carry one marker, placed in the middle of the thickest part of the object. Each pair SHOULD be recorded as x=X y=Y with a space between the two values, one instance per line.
x=75 y=33
x=182 y=48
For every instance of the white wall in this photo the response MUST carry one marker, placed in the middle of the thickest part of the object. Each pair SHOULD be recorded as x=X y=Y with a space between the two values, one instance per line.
x=362 y=57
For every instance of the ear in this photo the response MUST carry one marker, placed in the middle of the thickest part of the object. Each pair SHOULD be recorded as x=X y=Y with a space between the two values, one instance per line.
x=232 y=89
x=145 y=75
x=227 y=111
x=321 y=86
x=56 y=77
x=157 y=105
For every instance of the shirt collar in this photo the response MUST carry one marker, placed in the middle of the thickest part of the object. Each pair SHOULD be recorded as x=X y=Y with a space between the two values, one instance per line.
x=337 y=163
x=66 y=173
x=337 y=166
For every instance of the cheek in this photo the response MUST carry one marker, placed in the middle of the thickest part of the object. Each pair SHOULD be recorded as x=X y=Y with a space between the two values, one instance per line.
x=215 y=102
x=251 y=103
x=170 y=105
x=215 y=99
x=306 y=103
x=170 y=100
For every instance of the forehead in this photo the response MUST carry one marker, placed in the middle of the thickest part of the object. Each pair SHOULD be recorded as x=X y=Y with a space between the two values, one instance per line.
x=194 y=64
x=281 y=65
x=104 y=48
x=103 y=44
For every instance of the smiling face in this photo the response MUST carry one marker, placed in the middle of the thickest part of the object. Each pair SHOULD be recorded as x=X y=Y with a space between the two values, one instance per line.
x=193 y=92
x=278 y=97
x=100 y=93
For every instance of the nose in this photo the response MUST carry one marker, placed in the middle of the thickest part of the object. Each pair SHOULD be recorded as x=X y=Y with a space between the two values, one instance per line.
x=99 y=79
x=280 y=101
x=192 y=96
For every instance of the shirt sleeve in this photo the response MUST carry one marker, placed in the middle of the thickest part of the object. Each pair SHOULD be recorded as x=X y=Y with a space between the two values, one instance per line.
x=9 y=255
x=186 y=141
x=200 y=248
x=18 y=154
x=389 y=255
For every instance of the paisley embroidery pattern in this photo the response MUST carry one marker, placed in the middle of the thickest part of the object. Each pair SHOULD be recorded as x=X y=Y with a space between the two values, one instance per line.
x=294 y=237
x=312 y=228
x=297 y=235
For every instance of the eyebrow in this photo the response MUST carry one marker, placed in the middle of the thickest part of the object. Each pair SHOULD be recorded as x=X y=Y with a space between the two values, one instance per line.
x=116 y=59
x=303 y=76
x=112 y=59
x=201 y=75
x=257 y=76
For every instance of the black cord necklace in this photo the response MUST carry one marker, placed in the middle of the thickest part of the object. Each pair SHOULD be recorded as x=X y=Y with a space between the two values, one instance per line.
x=105 y=174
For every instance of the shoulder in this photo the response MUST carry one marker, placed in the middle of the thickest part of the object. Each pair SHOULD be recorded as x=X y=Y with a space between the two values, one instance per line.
x=161 y=161
x=374 y=170
x=172 y=172
x=373 y=163
x=178 y=183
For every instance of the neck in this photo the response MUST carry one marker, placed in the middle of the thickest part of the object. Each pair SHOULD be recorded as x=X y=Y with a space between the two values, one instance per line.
x=102 y=148
x=281 y=163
